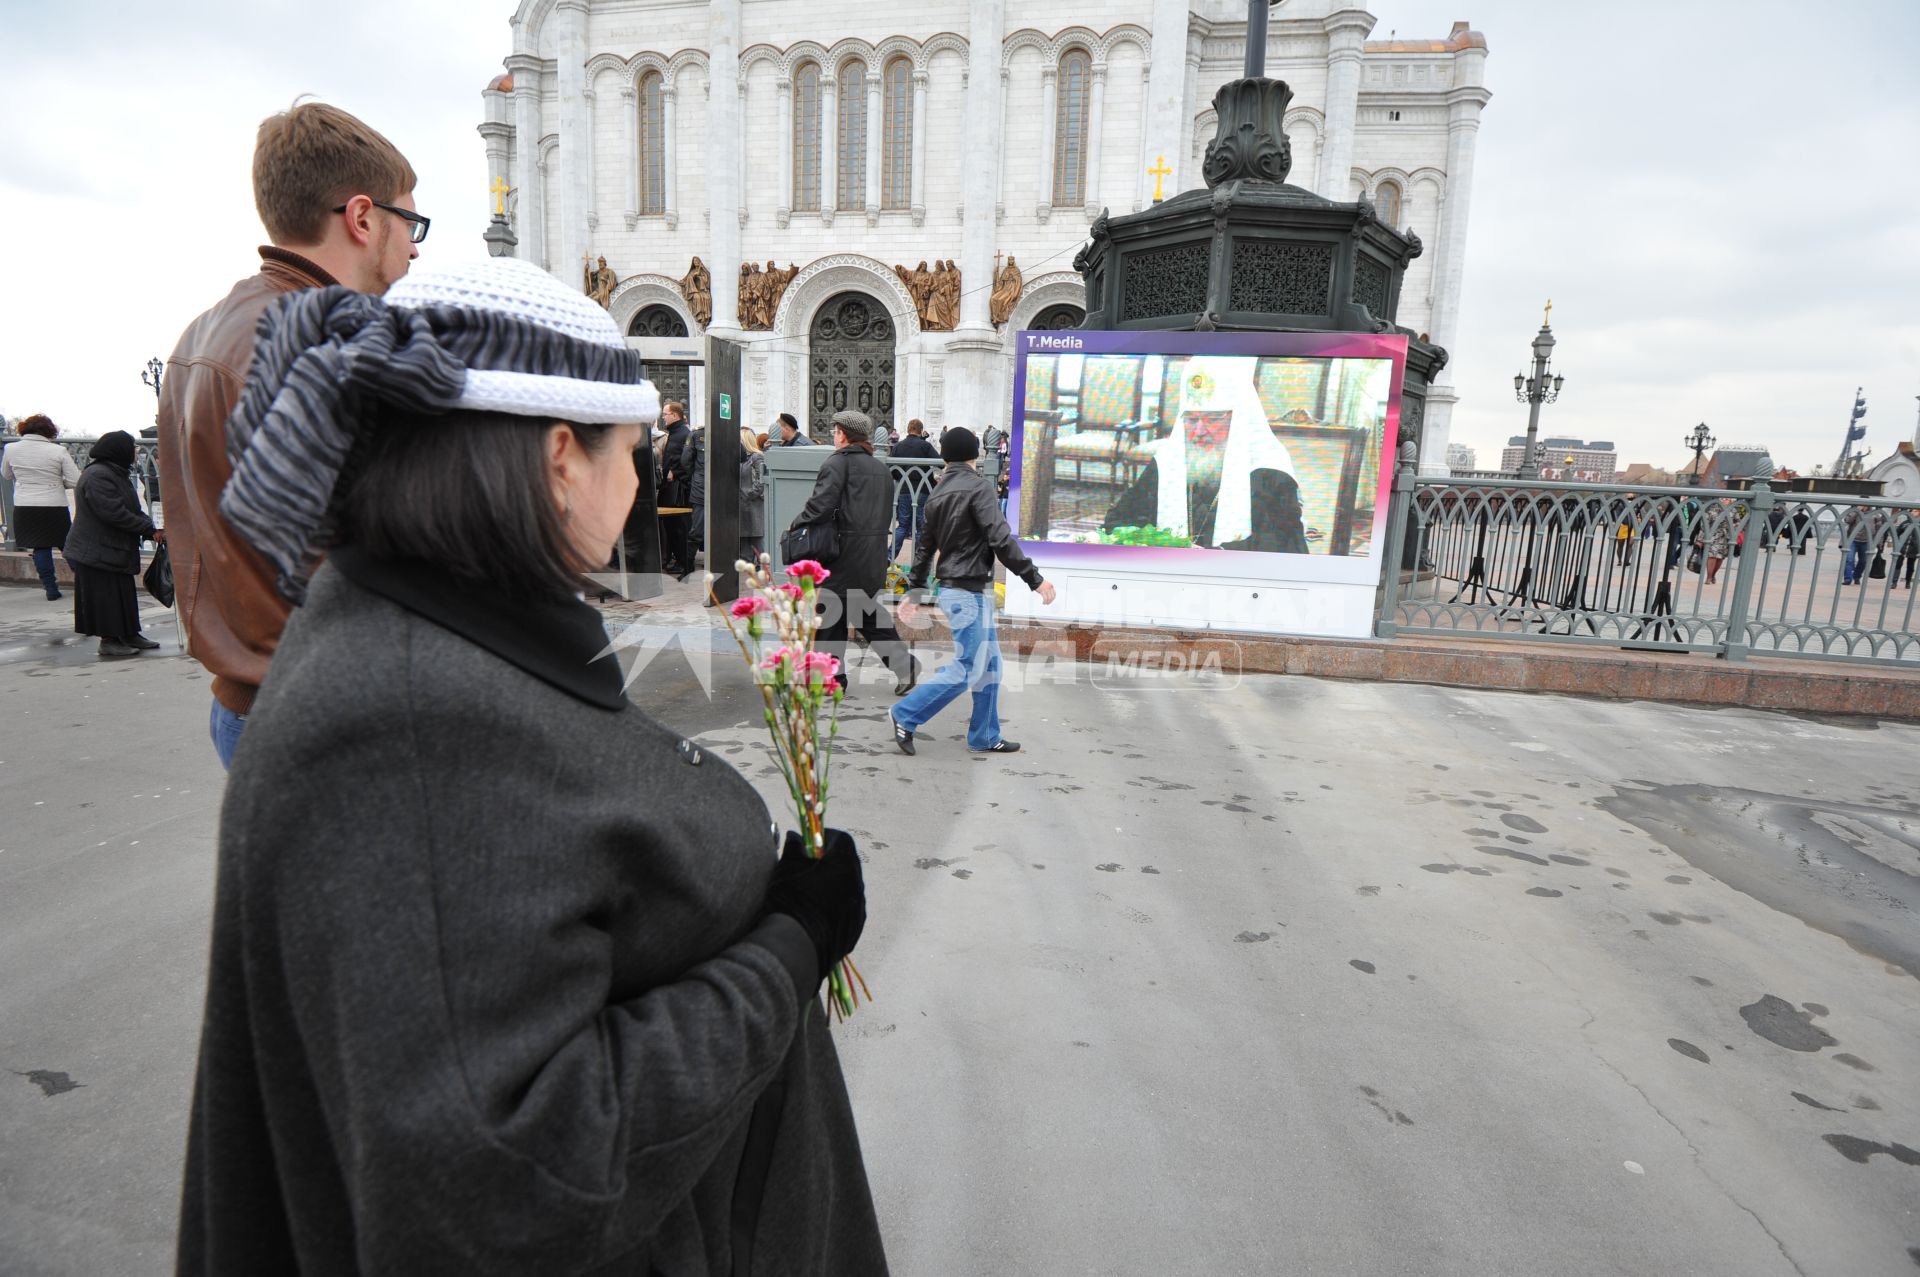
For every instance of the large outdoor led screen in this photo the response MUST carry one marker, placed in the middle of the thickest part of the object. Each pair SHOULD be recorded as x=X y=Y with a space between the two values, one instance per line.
x=1205 y=449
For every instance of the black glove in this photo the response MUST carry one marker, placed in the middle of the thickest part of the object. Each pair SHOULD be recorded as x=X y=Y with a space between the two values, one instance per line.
x=827 y=897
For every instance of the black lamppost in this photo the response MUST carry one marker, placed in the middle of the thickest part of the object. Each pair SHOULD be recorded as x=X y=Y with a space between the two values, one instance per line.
x=151 y=377
x=1541 y=387
x=1700 y=440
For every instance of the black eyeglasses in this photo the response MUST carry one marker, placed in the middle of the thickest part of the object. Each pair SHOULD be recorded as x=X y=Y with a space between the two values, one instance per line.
x=416 y=224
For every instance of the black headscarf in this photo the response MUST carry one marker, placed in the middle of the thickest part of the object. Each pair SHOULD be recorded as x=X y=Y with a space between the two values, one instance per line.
x=115 y=448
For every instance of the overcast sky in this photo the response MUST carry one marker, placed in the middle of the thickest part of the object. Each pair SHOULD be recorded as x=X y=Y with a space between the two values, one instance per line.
x=1720 y=196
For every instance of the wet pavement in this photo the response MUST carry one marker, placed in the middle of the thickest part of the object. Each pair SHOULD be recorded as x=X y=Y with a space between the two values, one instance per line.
x=1257 y=976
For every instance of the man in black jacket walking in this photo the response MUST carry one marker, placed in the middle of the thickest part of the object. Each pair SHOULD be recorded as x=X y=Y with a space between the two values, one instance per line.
x=853 y=493
x=965 y=527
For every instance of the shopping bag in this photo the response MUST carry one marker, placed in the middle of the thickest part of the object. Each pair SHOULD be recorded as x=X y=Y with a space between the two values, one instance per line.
x=159 y=577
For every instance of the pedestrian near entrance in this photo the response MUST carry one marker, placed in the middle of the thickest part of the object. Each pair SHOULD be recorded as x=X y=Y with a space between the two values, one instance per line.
x=967 y=532
x=909 y=514
x=753 y=495
x=1863 y=525
x=853 y=493
x=41 y=472
x=693 y=464
x=337 y=202
x=675 y=529
x=789 y=429
x=453 y=1025
x=104 y=549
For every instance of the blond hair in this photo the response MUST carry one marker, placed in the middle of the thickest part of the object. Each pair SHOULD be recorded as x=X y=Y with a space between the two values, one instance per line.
x=311 y=158
x=748 y=439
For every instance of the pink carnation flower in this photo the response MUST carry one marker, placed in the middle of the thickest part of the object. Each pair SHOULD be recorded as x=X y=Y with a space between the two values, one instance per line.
x=752 y=605
x=791 y=591
x=819 y=663
x=808 y=570
x=779 y=658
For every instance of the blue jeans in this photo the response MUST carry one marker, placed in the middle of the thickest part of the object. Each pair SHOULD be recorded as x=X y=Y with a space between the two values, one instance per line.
x=43 y=564
x=976 y=667
x=1854 y=566
x=225 y=727
x=905 y=516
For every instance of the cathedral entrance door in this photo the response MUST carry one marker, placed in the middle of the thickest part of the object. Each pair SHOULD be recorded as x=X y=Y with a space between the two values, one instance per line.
x=850 y=361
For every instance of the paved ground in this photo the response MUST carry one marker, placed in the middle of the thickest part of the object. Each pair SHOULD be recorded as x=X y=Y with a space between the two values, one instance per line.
x=1285 y=977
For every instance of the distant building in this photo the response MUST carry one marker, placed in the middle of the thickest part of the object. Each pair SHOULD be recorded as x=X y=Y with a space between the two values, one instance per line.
x=1562 y=458
x=1460 y=457
x=1899 y=474
x=1734 y=466
x=1648 y=475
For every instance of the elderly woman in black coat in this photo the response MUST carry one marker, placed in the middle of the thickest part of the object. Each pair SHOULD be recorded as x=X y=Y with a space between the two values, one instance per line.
x=507 y=977
x=853 y=493
x=104 y=549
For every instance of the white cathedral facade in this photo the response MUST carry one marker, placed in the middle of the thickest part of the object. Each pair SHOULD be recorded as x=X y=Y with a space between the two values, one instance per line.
x=833 y=142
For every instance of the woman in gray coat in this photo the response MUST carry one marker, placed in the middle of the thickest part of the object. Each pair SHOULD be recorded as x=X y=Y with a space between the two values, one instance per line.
x=507 y=976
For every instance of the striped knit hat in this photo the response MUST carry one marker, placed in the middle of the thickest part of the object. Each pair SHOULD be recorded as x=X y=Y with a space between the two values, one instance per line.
x=496 y=335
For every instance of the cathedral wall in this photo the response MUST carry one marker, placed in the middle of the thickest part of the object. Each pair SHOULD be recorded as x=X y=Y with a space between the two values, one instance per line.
x=1411 y=149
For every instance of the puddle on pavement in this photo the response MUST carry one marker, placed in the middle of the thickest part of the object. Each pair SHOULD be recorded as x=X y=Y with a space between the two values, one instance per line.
x=1849 y=869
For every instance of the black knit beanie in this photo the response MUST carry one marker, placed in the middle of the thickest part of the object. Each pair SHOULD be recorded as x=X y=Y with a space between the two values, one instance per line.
x=959 y=444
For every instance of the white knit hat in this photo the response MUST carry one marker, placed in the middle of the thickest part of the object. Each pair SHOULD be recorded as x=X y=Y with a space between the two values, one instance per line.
x=494 y=314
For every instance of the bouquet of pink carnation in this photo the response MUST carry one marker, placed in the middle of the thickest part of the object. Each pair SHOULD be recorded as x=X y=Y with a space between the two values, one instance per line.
x=796 y=683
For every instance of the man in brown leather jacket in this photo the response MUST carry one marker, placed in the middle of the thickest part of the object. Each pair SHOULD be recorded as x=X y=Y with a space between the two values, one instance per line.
x=337 y=201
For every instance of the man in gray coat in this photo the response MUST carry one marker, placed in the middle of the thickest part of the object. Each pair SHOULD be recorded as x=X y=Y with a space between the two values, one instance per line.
x=854 y=492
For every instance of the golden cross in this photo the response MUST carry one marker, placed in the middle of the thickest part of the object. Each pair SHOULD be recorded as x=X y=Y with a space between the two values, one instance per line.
x=1548 y=319
x=1159 y=173
x=499 y=189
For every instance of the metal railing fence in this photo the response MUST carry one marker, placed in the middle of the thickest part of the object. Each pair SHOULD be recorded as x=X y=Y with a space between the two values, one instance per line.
x=1736 y=574
x=791 y=473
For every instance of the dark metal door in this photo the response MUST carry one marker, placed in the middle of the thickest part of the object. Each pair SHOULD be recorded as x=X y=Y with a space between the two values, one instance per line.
x=850 y=361
x=673 y=381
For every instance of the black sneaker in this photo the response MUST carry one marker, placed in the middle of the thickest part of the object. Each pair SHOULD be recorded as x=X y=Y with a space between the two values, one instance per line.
x=912 y=679
x=142 y=642
x=115 y=650
x=901 y=736
x=1002 y=746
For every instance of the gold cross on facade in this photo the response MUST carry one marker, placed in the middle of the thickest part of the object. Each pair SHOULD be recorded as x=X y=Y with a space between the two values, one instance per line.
x=499 y=189
x=1159 y=172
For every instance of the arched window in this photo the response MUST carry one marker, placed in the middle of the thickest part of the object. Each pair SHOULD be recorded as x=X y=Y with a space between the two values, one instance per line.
x=850 y=181
x=1386 y=199
x=1070 y=129
x=896 y=162
x=1063 y=315
x=806 y=137
x=651 y=103
x=657 y=321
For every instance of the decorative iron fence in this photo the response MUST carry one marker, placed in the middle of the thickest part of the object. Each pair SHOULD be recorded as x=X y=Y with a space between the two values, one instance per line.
x=145 y=468
x=1736 y=574
x=791 y=473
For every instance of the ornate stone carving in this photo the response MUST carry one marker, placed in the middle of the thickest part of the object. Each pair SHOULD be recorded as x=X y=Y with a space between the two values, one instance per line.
x=919 y=282
x=1281 y=278
x=1251 y=144
x=697 y=287
x=600 y=282
x=940 y=289
x=760 y=293
x=1406 y=453
x=1165 y=281
x=1007 y=287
